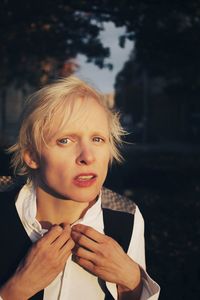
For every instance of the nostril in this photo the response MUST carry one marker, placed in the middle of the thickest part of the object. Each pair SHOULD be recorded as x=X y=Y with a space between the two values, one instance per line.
x=82 y=162
x=85 y=157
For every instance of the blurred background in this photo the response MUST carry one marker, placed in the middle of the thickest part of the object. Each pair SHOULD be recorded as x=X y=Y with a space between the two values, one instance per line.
x=145 y=56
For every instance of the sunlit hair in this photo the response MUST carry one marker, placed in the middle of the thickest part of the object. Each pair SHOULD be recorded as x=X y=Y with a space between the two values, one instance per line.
x=57 y=101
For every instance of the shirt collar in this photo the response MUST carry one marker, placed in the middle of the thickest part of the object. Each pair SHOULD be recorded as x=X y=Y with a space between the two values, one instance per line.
x=92 y=213
x=27 y=209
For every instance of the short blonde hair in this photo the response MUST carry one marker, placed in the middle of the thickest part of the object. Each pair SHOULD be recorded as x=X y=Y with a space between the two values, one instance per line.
x=41 y=108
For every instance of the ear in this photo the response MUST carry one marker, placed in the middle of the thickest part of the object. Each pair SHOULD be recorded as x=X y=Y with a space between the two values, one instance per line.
x=30 y=159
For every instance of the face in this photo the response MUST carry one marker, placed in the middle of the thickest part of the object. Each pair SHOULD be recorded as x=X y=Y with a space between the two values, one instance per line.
x=74 y=164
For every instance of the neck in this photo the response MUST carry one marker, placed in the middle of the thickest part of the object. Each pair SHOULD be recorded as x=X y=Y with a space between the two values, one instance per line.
x=51 y=210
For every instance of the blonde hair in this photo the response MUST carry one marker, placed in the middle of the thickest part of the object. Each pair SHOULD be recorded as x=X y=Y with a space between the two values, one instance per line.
x=41 y=108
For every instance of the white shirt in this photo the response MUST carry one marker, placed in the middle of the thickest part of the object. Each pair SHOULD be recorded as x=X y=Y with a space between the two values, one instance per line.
x=75 y=282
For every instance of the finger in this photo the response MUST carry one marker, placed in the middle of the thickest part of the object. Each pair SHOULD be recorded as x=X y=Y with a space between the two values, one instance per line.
x=66 y=250
x=84 y=253
x=86 y=264
x=84 y=241
x=53 y=233
x=65 y=225
x=61 y=240
x=89 y=232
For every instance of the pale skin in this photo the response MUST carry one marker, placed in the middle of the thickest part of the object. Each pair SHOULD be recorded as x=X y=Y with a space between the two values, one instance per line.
x=104 y=257
x=60 y=201
x=44 y=261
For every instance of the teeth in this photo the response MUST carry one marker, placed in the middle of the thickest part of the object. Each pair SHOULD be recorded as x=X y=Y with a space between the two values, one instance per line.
x=85 y=177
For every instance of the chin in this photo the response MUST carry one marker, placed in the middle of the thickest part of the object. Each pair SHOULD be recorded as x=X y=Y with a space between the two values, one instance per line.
x=85 y=195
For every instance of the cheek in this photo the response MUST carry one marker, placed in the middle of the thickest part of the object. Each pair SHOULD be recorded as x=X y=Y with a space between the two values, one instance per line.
x=107 y=156
x=54 y=174
x=51 y=167
x=104 y=162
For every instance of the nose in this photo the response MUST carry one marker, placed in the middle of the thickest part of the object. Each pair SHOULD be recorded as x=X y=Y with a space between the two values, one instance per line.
x=85 y=156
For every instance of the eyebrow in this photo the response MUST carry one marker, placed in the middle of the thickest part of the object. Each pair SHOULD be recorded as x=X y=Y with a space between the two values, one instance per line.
x=77 y=134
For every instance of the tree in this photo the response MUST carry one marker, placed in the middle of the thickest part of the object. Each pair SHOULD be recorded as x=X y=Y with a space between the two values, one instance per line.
x=167 y=46
x=39 y=40
x=39 y=37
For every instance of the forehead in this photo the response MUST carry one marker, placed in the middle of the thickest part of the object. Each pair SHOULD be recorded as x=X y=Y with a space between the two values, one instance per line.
x=79 y=114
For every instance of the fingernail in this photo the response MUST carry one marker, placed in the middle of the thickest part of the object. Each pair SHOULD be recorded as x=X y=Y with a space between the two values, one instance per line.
x=74 y=228
x=75 y=235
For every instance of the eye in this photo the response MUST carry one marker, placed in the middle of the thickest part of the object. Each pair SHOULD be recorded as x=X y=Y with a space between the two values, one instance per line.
x=98 y=139
x=64 y=141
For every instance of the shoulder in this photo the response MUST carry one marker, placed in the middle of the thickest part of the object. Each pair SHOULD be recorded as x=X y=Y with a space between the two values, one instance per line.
x=117 y=202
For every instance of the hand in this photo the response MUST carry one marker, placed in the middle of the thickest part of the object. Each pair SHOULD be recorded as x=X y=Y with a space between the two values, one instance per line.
x=104 y=257
x=44 y=261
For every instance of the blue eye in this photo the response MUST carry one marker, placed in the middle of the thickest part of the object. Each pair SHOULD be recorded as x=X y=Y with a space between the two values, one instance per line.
x=64 y=141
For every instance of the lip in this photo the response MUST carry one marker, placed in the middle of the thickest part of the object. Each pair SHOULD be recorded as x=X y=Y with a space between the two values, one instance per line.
x=81 y=180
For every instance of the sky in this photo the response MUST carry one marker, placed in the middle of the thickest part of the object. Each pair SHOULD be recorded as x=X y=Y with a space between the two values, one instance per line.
x=104 y=79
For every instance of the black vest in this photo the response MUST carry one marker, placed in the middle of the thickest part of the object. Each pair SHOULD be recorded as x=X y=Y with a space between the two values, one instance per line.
x=15 y=241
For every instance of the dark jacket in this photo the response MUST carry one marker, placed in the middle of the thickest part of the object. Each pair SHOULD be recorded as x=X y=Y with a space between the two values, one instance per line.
x=15 y=242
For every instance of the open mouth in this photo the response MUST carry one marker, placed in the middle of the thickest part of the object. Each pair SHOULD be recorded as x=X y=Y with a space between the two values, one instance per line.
x=85 y=180
x=85 y=177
